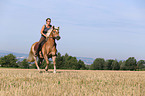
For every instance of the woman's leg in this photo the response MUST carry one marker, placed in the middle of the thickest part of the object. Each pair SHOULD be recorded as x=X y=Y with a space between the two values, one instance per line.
x=39 y=45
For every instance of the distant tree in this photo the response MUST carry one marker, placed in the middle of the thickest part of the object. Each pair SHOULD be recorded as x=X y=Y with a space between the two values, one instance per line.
x=140 y=64
x=66 y=55
x=120 y=62
x=33 y=66
x=122 y=65
x=50 y=66
x=98 y=64
x=108 y=64
x=88 y=67
x=60 y=61
x=8 y=61
x=69 y=62
x=115 y=65
x=24 y=64
x=131 y=63
x=81 y=65
x=3 y=62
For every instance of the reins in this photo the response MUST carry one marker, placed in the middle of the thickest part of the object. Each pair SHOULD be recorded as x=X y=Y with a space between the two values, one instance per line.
x=49 y=37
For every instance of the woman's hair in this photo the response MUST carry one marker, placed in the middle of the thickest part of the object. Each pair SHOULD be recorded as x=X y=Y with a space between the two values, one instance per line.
x=48 y=18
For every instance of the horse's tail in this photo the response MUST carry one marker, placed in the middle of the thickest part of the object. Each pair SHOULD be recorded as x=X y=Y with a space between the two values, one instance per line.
x=31 y=55
x=30 y=58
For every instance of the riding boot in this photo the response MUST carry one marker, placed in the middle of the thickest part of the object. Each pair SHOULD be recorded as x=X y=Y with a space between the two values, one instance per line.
x=36 y=53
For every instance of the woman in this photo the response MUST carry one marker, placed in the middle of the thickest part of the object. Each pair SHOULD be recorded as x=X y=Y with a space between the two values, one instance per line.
x=44 y=30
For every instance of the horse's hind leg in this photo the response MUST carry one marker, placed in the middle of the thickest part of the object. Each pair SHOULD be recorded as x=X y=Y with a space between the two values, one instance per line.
x=36 y=64
x=40 y=61
x=53 y=58
x=35 y=58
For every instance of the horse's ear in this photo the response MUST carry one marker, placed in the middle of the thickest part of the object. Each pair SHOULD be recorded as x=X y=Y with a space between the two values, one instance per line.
x=58 y=28
x=53 y=27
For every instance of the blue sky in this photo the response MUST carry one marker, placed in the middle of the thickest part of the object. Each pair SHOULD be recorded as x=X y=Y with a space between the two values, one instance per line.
x=110 y=29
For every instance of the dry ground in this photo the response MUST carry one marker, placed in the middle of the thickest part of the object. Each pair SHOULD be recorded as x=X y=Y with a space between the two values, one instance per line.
x=29 y=82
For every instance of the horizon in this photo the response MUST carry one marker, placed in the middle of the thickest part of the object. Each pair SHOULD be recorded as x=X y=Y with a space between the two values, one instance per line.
x=9 y=52
x=96 y=29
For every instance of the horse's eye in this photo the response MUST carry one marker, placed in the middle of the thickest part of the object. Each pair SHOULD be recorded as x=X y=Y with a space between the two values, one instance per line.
x=54 y=31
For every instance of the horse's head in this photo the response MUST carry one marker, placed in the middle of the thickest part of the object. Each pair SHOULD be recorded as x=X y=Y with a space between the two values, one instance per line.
x=55 y=33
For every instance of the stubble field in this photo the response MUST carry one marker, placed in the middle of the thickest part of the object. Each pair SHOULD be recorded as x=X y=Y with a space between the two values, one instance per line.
x=29 y=82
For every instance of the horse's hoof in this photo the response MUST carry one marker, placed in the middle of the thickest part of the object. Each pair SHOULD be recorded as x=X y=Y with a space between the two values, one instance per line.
x=46 y=69
x=39 y=70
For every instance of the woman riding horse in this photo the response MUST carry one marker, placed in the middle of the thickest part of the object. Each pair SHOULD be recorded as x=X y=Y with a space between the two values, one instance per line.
x=44 y=30
x=48 y=49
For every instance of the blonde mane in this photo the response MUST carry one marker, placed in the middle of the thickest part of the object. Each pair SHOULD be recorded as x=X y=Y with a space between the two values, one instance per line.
x=49 y=32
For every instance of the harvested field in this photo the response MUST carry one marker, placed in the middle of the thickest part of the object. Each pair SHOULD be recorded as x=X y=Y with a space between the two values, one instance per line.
x=29 y=82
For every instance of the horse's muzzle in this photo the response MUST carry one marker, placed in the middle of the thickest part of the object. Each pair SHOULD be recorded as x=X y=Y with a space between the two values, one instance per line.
x=58 y=37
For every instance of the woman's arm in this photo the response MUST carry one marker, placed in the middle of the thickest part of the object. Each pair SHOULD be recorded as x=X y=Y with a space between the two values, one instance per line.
x=42 y=29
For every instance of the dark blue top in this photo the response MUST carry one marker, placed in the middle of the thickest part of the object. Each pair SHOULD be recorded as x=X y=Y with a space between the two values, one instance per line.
x=45 y=30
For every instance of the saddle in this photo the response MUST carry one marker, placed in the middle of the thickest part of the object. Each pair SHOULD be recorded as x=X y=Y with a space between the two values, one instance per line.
x=39 y=47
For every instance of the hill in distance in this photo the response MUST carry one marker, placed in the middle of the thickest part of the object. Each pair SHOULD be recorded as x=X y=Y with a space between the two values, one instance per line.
x=3 y=53
x=21 y=56
x=86 y=60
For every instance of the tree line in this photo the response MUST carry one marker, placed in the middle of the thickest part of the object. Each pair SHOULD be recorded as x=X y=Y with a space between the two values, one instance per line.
x=70 y=62
x=62 y=62
x=129 y=64
x=11 y=61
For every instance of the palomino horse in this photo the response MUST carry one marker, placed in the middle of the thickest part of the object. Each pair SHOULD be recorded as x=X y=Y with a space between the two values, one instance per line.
x=48 y=50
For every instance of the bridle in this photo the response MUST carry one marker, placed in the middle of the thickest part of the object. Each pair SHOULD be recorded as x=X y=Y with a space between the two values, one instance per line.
x=50 y=37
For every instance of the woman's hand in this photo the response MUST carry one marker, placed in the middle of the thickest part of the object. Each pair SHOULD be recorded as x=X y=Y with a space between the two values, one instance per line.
x=45 y=35
x=52 y=27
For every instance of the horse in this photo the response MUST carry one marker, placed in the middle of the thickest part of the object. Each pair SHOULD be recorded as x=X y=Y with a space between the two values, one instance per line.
x=48 y=49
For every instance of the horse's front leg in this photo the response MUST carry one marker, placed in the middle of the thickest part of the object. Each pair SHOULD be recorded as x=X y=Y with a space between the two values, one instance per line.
x=47 y=61
x=54 y=62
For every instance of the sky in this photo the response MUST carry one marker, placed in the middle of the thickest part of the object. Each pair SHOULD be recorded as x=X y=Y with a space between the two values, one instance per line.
x=109 y=29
